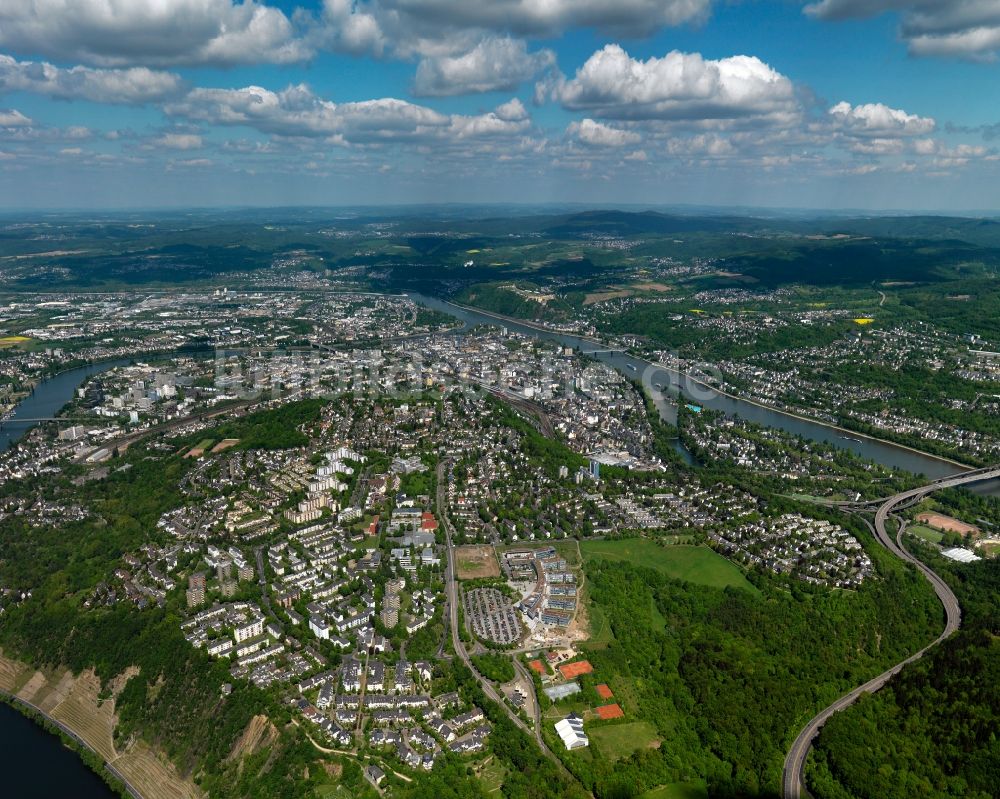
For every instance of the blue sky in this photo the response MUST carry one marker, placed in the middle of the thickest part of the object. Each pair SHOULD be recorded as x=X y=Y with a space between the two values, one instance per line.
x=882 y=104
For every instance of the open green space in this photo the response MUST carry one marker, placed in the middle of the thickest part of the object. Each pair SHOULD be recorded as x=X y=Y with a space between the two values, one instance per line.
x=695 y=564
x=22 y=342
x=926 y=533
x=656 y=618
x=332 y=792
x=560 y=710
x=621 y=740
x=491 y=775
x=679 y=790
x=811 y=497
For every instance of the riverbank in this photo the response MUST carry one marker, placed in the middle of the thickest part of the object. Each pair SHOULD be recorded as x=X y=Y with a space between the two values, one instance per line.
x=524 y=322
x=944 y=466
x=39 y=760
x=802 y=418
x=113 y=781
x=73 y=705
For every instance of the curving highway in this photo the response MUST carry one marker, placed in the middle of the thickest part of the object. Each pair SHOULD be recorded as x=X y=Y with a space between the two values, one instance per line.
x=792 y=785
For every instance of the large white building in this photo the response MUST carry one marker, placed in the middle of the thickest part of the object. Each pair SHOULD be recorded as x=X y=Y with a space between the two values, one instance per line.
x=961 y=555
x=319 y=627
x=570 y=729
x=251 y=629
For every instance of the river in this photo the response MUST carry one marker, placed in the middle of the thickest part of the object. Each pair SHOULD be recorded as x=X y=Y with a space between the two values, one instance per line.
x=36 y=764
x=884 y=452
x=48 y=399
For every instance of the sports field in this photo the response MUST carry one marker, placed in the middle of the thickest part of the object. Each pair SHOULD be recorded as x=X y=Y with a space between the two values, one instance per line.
x=621 y=740
x=926 y=533
x=948 y=524
x=989 y=549
x=696 y=564
x=203 y=446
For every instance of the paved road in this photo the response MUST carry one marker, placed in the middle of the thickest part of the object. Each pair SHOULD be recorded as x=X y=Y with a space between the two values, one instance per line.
x=792 y=787
x=915 y=495
x=456 y=640
x=258 y=553
x=536 y=709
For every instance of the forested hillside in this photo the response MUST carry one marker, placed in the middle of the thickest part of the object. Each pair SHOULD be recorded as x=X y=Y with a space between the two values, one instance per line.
x=727 y=675
x=934 y=731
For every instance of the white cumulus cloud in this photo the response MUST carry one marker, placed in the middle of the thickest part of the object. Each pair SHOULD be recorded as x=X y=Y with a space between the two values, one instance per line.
x=494 y=64
x=178 y=141
x=150 y=32
x=345 y=26
x=957 y=28
x=678 y=86
x=513 y=110
x=297 y=112
x=436 y=28
x=12 y=118
x=598 y=134
x=546 y=17
x=878 y=120
x=134 y=85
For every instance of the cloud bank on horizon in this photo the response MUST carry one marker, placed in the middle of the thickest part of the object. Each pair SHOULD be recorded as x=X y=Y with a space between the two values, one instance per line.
x=109 y=102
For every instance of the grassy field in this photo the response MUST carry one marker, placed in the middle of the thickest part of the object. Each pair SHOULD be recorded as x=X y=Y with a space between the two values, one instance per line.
x=201 y=448
x=988 y=550
x=332 y=792
x=492 y=775
x=621 y=740
x=8 y=342
x=926 y=533
x=809 y=497
x=659 y=623
x=559 y=710
x=678 y=790
x=696 y=564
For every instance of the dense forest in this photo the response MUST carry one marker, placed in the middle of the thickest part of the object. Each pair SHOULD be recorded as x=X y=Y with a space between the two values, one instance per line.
x=727 y=676
x=934 y=731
